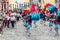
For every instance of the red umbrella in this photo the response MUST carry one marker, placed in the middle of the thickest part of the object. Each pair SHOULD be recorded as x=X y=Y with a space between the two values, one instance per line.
x=27 y=10
x=48 y=4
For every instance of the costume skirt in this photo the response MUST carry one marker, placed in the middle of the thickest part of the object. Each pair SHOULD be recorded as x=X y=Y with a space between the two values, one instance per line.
x=57 y=26
x=27 y=25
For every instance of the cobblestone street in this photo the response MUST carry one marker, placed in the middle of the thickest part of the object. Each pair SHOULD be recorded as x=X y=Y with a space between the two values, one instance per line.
x=18 y=33
x=29 y=19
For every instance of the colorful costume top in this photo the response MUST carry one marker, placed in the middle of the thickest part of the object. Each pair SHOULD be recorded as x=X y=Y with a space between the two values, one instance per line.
x=35 y=15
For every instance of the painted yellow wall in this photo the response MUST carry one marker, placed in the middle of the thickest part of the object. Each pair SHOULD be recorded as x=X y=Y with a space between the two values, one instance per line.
x=47 y=1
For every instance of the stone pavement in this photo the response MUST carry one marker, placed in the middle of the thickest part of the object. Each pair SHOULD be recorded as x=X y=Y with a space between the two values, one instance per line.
x=18 y=33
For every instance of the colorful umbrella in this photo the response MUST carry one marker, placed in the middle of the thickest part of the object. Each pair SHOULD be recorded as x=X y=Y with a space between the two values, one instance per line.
x=48 y=4
x=26 y=10
x=50 y=8
x=35 y=15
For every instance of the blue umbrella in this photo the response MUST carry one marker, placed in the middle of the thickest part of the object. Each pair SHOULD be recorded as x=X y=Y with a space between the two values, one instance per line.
x=52 y=8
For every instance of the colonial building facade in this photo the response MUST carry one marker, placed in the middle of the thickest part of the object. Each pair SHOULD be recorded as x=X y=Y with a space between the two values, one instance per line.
x=4 y=5
x=53 y=2
x=0 y=5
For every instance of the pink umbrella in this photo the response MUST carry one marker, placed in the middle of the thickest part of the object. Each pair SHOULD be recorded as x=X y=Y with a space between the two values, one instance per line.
x=58 y=5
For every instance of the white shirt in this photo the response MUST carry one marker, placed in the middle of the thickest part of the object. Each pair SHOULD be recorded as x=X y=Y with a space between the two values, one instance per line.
x=12 y=18
x=13 y=14
x=17 y=14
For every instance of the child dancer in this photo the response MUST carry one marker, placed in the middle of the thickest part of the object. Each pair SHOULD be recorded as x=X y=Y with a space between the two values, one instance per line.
x=28 y=24
x=57 y=26
x=41 y=17
x=51 y=21
x=44 y=18
x=57 y=22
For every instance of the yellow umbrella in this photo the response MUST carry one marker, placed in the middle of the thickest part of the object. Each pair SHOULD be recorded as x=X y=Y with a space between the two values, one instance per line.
x=46 y=8
x=27 y=8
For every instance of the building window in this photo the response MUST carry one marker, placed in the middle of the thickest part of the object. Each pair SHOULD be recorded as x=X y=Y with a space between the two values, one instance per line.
x=26 y=4
x=56 y=1
x=40 y=1
x=3 y=1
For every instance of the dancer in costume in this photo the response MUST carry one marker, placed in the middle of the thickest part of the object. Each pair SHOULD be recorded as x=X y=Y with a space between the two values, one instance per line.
x=44 y=16
x=51 y=22
x=41 y=18
x=28 y=24
x=35 y=17
x=50 y=10
x=27 y=21
x=57 y=23
x=35 y=14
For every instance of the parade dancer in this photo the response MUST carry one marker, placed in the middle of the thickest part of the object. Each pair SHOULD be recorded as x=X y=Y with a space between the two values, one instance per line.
x=44 y=15
x=57 y=26
x=27 y=23
x=57 y=22
x=35 y=14
x=35 y=17
x=51 y=22
x=41 y=18
x=44 y=19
